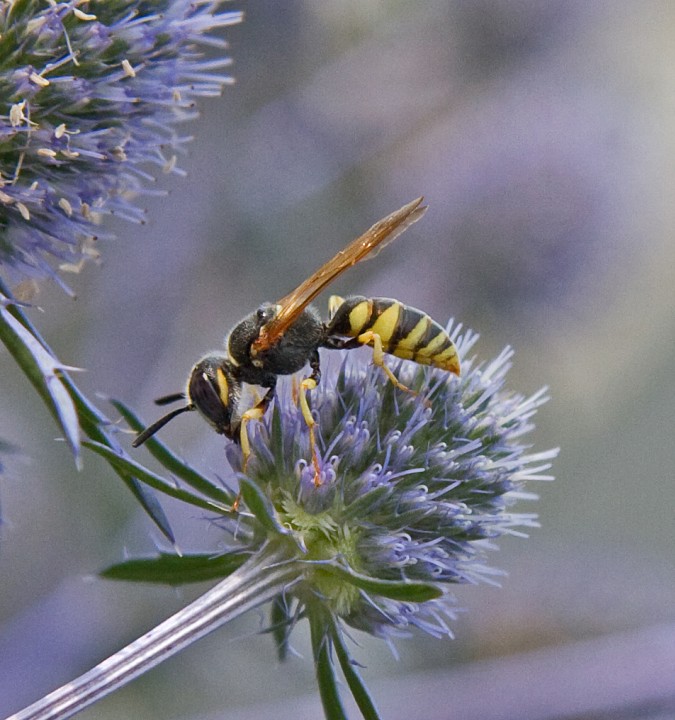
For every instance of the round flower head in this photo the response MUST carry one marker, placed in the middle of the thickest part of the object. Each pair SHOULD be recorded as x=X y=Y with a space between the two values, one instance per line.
x=90 y=93
x=405 y=494
x=413 y=486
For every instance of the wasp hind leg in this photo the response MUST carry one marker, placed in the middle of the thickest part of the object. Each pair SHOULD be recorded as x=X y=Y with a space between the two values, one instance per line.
x=375 y=341
x=309 y=383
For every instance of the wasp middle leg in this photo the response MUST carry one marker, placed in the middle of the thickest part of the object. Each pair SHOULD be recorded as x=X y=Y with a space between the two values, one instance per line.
x=309 y=383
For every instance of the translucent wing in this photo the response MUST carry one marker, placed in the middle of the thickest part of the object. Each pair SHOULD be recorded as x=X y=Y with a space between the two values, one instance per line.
x=367 y=245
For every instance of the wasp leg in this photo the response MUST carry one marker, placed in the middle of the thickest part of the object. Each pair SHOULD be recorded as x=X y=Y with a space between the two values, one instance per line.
x=368 y=338
x=309 y=383
x=371 y=338
x=257 y=412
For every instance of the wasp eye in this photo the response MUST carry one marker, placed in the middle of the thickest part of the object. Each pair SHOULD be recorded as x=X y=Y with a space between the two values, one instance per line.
x=209 y=391
x=266 y=312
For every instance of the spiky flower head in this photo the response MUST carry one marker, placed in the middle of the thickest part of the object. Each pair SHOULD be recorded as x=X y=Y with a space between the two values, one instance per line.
x=90 y=92
x=408 y=492
x=413 y=487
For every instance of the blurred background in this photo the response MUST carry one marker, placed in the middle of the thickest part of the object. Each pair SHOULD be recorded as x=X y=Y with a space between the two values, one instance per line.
x=541 y=135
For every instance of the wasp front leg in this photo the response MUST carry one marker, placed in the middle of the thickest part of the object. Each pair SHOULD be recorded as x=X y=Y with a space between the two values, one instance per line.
x=257 y=412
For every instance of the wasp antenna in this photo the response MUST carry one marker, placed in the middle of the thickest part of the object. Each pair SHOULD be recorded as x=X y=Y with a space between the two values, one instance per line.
x=168 y=399
x=158 y=425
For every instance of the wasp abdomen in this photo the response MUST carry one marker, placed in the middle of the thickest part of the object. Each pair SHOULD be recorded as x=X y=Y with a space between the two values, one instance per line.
x=405 y=332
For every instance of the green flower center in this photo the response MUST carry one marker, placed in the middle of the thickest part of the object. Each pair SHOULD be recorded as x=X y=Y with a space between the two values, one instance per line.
x=325 y=540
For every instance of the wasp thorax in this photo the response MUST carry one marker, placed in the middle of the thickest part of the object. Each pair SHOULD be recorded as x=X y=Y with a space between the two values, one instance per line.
x=213 y=392
x=243 y=334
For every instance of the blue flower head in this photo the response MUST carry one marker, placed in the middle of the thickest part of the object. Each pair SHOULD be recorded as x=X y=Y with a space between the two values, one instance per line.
x=406 y=492
x=90 y=93
x=413 y=488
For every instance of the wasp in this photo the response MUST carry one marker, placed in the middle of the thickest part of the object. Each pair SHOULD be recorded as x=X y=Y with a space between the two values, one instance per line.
x=282 y=338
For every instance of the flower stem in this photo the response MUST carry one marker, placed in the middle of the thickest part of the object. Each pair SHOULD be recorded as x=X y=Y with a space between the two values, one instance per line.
x=261 y=578
x=353 y=678
x=323 y=663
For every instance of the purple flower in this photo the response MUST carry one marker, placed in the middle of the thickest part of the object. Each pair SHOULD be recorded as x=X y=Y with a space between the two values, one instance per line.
x=91 y=94
x=410 y=492
x=414 y=488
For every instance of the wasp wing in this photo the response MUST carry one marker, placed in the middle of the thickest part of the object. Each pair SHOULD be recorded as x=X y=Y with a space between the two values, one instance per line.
x=367 y=245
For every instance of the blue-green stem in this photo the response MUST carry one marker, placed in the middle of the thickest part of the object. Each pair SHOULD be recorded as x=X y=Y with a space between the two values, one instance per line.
x=353 y=678
x=264 y=576
x=323 y=662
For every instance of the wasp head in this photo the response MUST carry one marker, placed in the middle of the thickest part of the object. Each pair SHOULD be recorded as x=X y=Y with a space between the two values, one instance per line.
x=213 y=391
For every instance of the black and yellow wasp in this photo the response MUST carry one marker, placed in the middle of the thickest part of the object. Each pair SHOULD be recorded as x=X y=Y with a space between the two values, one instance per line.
x=281 y=338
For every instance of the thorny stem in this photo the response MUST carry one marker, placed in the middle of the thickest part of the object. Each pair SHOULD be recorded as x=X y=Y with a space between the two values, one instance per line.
x=261 y=578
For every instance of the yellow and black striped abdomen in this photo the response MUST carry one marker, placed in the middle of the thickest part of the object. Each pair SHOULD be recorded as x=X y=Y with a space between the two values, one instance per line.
x=405 y=332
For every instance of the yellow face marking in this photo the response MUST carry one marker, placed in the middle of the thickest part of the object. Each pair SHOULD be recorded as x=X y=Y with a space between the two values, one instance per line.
x=413 y=337
x=334 y=302
x=359 y=315
x=385 y=325
x=223 y=387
